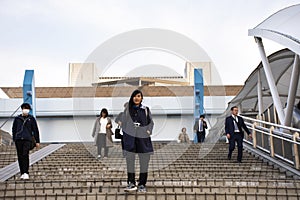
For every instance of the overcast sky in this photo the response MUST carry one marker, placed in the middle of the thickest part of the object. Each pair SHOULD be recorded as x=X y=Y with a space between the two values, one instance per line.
x=46 y=35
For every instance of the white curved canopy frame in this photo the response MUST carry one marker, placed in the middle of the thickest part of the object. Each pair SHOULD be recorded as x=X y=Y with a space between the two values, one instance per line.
x=281 y=27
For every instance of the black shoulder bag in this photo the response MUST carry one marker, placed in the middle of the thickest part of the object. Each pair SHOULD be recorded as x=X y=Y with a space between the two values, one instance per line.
x=118 y=133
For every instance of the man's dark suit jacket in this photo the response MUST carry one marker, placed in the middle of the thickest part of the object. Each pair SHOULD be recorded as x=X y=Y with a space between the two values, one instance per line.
x=196 y=125
x=229 y=126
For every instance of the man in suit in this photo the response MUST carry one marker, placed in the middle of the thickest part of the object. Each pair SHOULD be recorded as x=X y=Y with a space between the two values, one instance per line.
x=233 y=127
x=199 y=128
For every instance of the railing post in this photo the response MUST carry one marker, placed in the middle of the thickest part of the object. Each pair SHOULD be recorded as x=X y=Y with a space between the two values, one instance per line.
x=282 y=148
x=296 y=152
x=254 y=135
x=275 y=115
x=271 y=142
x=269 y=115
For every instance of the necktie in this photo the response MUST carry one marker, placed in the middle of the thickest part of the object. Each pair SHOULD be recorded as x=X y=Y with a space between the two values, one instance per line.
x=201 y=126
x=236 y=128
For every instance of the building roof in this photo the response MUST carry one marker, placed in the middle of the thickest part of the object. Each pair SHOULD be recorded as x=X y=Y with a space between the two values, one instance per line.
x=142 y=81
x=69 y=92
x=281 y=27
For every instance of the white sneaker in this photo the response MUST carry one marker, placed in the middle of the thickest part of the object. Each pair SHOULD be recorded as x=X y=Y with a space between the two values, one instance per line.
x=130 y=188
x=22 y=176
x=99 y=156
x=25 y=176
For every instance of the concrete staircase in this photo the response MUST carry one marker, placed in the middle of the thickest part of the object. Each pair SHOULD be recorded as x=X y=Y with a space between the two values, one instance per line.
x=177 y=171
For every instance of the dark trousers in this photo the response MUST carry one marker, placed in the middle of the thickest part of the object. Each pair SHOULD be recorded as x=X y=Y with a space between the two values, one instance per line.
x=200 y=136
x=122 y=142
x=144 y=159
x=101 y=143
x=236 y=137
x=23 y=147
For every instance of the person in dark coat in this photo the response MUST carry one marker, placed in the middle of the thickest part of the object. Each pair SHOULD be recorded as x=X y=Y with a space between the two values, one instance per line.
x=233 y=128
x=118 y=120
x=137 y=125
x=24 y=126
x=199 y=127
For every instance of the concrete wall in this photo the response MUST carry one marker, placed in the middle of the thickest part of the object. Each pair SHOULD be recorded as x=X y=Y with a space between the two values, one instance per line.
x=71 y=120
x=75 y=129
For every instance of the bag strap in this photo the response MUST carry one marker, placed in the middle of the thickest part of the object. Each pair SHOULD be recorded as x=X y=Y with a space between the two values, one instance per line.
x=146 y=111
x=147 y=115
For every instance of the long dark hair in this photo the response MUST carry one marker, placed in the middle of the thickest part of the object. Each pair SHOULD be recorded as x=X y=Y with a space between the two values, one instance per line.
x=104 y=110
x=131 y=103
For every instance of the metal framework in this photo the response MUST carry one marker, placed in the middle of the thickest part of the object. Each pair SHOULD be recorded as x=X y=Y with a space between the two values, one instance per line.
x=270 y=79
x=280 y=27
x=282 y=142
x=292 y=92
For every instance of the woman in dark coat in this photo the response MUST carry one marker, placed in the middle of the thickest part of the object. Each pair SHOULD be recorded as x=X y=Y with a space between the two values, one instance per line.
x=137 y=125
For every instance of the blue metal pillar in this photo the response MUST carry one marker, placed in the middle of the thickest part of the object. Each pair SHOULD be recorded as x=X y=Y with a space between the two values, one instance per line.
x=29 y=90
x=198 y=95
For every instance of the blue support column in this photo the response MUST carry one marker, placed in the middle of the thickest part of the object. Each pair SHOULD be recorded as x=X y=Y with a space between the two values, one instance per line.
x=29 y=90
x=198 y=96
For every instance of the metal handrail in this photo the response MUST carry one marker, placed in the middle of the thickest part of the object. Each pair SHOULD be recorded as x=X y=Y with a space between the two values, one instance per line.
x=276 y=136
x=278 y=133
x=272 y=124
x=11 y=116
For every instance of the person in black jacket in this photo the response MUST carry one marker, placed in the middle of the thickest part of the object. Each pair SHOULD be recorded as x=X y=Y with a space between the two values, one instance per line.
x=24 y=126
x=137 y=125
x=118 y=120
x=233 y=127
x=199 y=128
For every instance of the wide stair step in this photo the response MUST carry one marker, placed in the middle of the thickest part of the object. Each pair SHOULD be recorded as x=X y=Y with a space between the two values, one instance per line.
x=176 y=172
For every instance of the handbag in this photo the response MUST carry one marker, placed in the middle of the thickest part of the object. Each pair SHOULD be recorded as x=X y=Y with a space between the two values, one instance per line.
x=118 y=133
x=33 y=142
